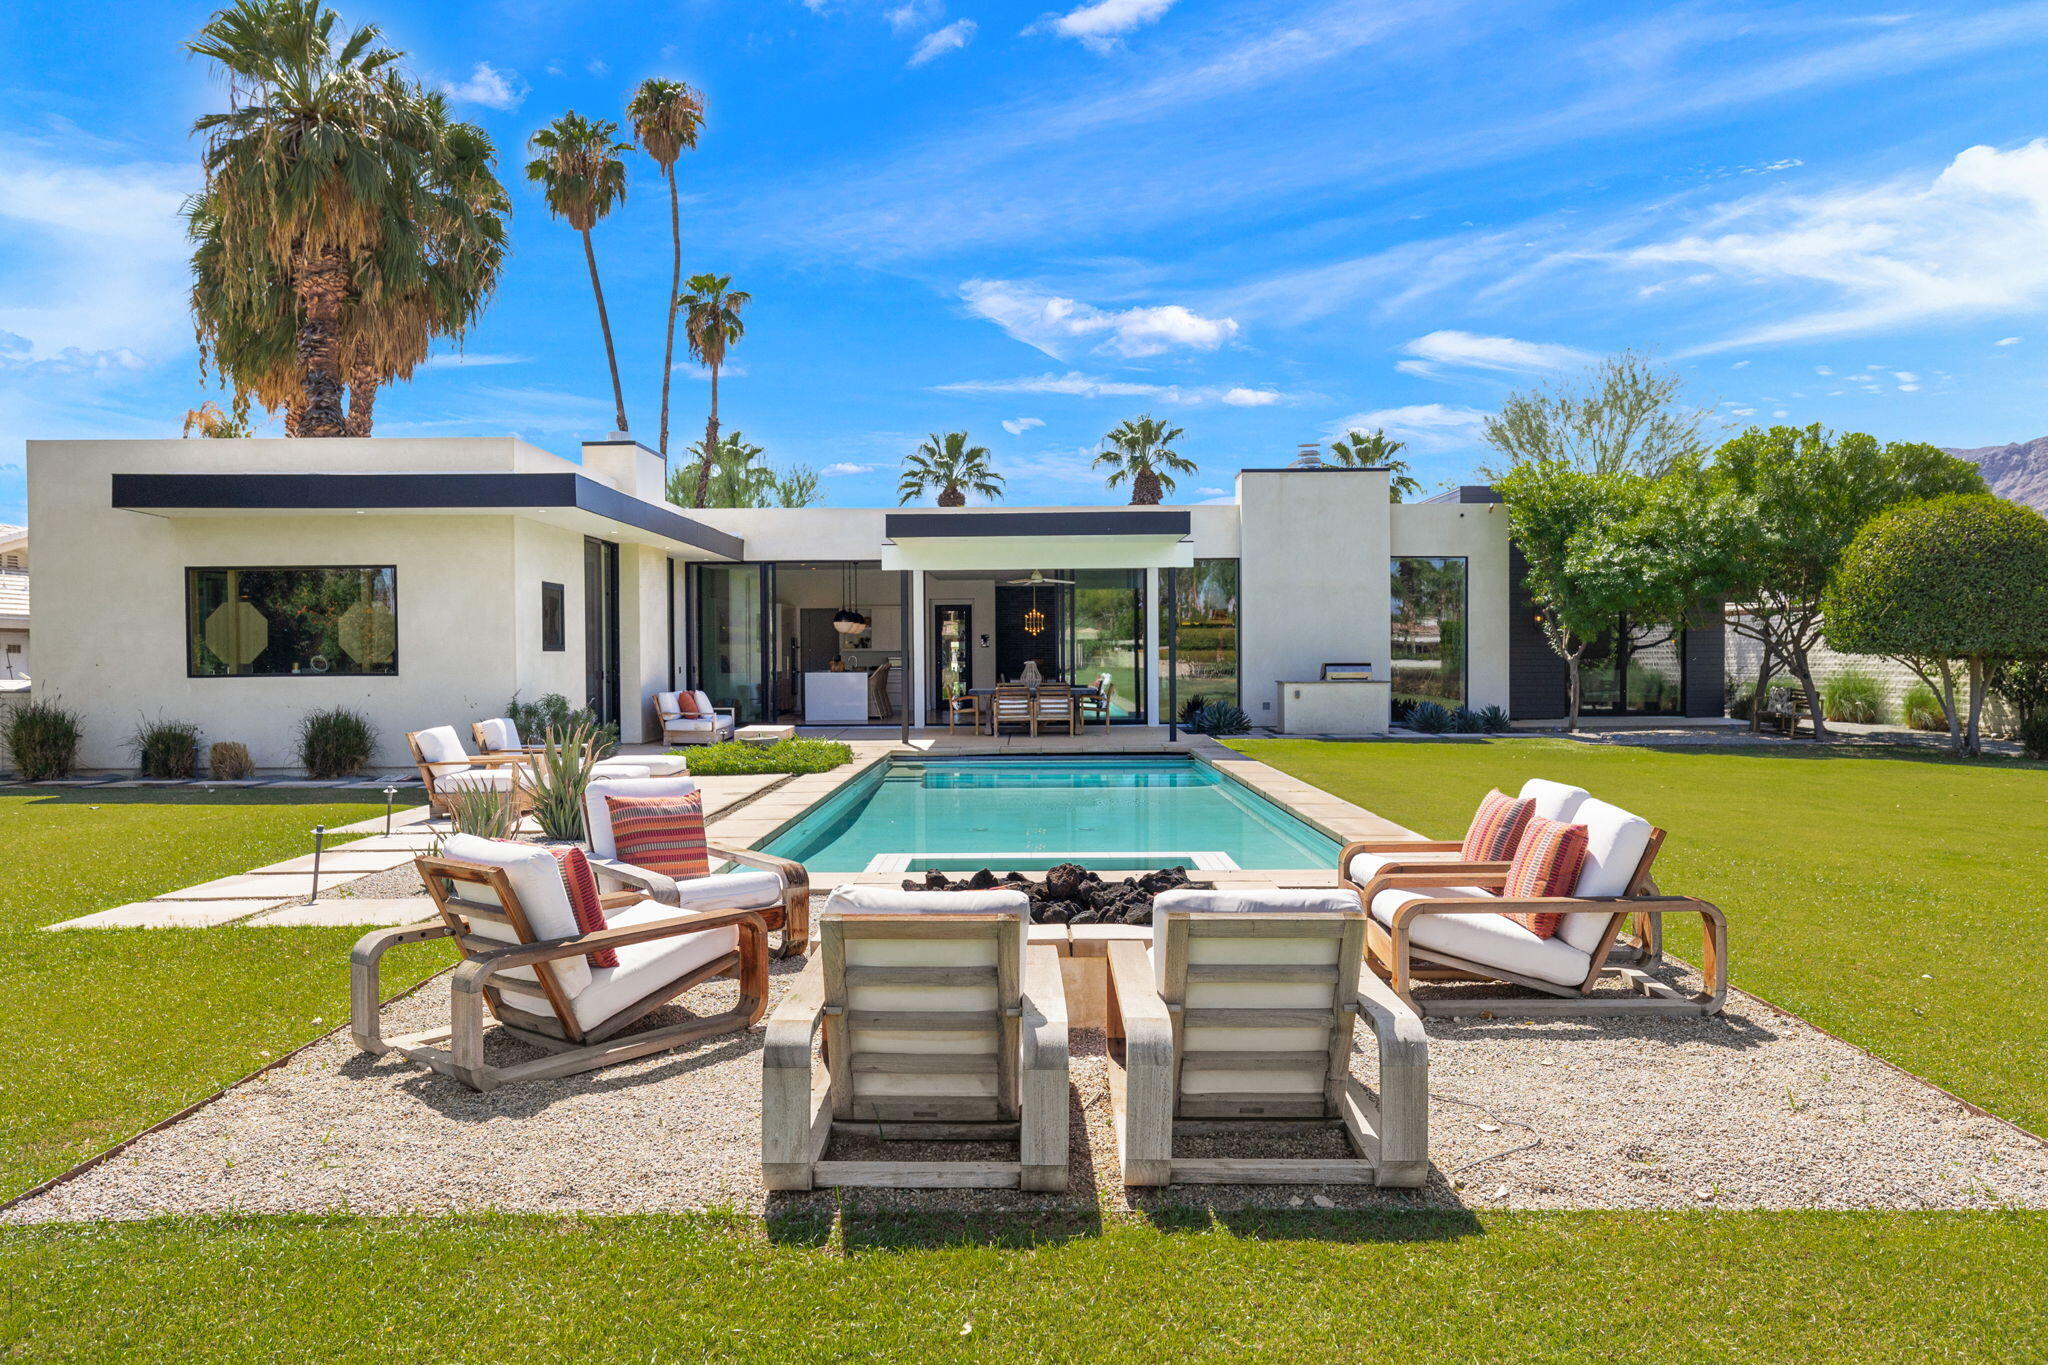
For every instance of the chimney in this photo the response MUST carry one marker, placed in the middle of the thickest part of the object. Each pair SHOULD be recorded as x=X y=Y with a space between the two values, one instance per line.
x=1309 y=456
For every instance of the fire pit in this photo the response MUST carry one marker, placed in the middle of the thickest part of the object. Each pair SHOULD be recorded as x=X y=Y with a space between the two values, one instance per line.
x=1070 y=893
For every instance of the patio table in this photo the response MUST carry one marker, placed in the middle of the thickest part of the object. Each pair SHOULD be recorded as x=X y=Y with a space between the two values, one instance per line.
x=983 y=695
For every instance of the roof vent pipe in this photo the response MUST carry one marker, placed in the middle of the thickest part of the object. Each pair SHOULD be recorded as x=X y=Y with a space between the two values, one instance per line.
x=1309 y=457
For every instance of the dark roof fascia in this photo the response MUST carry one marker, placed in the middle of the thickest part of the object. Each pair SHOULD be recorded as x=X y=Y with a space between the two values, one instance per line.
x=388 y=492
x=1120 y=522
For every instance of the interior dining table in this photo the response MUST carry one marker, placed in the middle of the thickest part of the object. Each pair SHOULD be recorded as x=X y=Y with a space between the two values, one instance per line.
x=984 y=696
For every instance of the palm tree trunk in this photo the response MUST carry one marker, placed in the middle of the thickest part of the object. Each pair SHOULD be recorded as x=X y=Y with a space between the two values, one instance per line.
x=675 y=287
x=1145 y=490
x=951 y=496
x=362 y=398
x=604 y=321
x=320 y=285
x=710 y=443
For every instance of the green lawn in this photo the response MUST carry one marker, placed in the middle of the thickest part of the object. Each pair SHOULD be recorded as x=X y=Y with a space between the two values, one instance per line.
x=1892 y=896
x=108 y=1030
x=1290 y=1287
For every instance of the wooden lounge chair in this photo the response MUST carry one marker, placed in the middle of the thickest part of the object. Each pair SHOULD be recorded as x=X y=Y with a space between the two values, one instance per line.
x=1365 y=859
x=1240 y=1016
x=939 y=1025
x=776 y=889
x=711 y=724
x=1053 y=706
x=1450 y=923
x=968 y=705
x=499 y=735
x=524 y=960
x=1012 y=705
x=446 y=768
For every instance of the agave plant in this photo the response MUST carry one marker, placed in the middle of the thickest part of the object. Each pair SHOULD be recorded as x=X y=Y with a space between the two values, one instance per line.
x=1466 y=722
x=558 y=777
x=1495 y=720
x=1429 y=718
x=483 y=812
x=1220 y=718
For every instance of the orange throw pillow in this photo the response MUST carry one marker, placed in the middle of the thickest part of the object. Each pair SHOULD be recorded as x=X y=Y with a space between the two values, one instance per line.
x=663 y=834
x=1547 y=864
x=686 y=705
x=581 y=884
x=1497 y=828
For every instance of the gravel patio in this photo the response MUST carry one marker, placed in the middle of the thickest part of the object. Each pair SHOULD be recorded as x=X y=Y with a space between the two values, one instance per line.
x=1754 y=1109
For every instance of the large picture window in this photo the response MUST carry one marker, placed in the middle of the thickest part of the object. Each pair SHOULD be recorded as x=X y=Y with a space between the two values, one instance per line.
x=1428 y=630
x=298 y=622
x=1200 y=616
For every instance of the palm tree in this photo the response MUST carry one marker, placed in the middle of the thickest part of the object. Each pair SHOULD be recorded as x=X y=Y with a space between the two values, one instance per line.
x=1138 y=451
x=210 y=422
x=583 y=178
x=305 y=173
x=711 y=324
x=1372 y=449
x=425 y=271
x=953 y=468
x=666 y=116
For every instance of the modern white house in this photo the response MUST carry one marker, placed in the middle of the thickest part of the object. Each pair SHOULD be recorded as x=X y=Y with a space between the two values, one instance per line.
x=13 y=606
x=240 y=584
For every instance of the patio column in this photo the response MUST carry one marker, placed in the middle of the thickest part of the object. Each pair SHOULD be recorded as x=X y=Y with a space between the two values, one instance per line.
x=1148 y=656
x=914 y=652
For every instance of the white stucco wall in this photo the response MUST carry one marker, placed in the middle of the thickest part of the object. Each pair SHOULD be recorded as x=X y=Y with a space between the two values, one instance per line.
x=1312 y=577
x=468 y=594
x=1479 y=532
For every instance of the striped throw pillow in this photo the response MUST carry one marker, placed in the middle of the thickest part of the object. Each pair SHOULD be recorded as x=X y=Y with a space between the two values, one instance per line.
x=663 y=834
x=1547 y=864
x=581 y=884
x=1497 y=828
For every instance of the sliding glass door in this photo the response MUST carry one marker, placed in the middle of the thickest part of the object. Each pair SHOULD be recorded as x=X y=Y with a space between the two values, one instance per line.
x=731 y=648
x=1104 y=636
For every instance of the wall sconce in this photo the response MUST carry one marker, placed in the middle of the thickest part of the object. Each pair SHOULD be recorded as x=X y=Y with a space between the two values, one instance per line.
x=984 y=639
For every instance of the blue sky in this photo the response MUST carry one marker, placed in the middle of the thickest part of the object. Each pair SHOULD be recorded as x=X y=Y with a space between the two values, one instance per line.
x=1263 y=221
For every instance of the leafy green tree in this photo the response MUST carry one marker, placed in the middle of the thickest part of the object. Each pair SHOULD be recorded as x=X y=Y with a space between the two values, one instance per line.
x=583 y=177
x=712 y=326
x=1625 y=414
x=667 y=117
x=1372 y=450
x=798 y=487
x=950 y=467
x=1802 y=494
x=740 y=477
x=1962 y=577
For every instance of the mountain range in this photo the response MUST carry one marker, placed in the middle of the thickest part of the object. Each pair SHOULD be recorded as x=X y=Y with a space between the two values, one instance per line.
x=2018 y=471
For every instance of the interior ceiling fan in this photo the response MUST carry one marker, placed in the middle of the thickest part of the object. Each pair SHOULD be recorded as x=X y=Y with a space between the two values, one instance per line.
x=1038 y=580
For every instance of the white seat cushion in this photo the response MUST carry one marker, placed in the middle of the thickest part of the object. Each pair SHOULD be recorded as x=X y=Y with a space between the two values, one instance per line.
x=689 y=724
x=643 y=967
x=536 y=879
x=750 y=888
x=618 y=767
x=1554 y=800
x=1365 y=866
x=498 y=734
x=474 y=779
x=1488 y=940
x=441 y=749
x=657 y=765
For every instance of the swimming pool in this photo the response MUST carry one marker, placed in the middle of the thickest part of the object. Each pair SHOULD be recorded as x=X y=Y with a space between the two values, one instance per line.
x=1114 y=814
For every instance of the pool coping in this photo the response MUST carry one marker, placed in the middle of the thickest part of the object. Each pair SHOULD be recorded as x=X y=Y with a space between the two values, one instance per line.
x=761 y=820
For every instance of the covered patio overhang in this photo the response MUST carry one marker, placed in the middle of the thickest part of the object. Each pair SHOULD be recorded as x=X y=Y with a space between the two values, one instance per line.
x=1134 y=538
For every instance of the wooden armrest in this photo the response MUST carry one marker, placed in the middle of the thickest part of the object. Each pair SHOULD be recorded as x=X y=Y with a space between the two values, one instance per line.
x=614 y=900
x=1044 y=1032
x=790 y=1027
x=1148 y=1026
x=1358 y=846
x=497 y=760
x=656 y=885
x=1397 y=1028
x=793 y=874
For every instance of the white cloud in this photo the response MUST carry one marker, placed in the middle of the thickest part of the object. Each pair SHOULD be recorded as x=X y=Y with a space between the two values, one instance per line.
x=1968 y=242
x=1251 y=398
x=703 y=372
x=1905 y=376
x=1909 y=388
x=1051 y=323
x=1742 y=412
x=915 y=14
x=1074 y=384
x=1740 y=365
x=1468 y=350
x=1425 y=426
x=1822 y=370
x=1017 y=426
x=2007 y=341
x=940 y=41
x=598 y=66
x=488 y=86
x=833 y=471
x=456 y=360
x=1098 y=26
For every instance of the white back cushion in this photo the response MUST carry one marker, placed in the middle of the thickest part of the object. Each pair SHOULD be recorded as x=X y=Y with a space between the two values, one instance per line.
x=498 y=733
x=597 y=816
x=1554 y=800
x=1615 y=841
x=442 y=750
x=536 y=879
x=703 y=704
x=1216 y=900
x=890 y=900
x=665 y=705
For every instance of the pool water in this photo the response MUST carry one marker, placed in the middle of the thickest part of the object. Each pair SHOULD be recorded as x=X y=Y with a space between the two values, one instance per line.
x=1028 y=814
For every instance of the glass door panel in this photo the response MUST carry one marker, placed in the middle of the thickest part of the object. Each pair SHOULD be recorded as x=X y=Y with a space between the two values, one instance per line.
x=730 y=642
x=952 y=667
x=1107 y=637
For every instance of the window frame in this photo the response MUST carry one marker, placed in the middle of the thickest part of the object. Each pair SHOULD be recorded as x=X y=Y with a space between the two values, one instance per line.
x=191 y=583
x=1464 y=621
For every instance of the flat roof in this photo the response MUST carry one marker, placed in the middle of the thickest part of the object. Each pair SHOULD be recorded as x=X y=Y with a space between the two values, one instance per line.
x=962 y=523
x=165 y=493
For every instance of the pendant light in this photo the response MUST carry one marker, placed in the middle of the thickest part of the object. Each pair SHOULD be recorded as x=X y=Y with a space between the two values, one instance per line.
x=846 y=620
